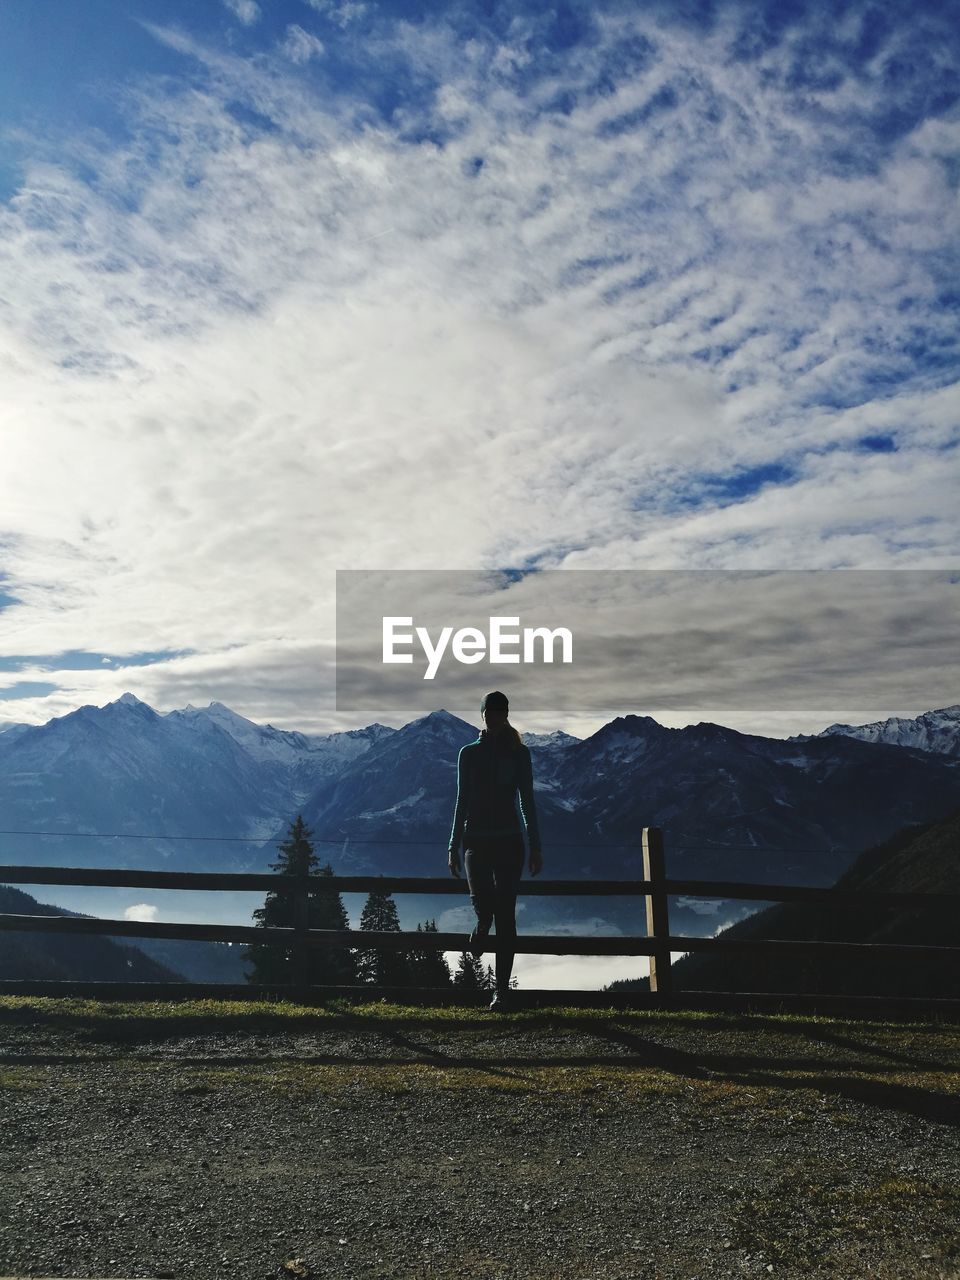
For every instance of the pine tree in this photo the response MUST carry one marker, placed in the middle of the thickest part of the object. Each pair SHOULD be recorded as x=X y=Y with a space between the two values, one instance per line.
x=382 y=967
x=337 y=964
x=428 y=966
x=273 y=962
x=416 y=959
x=437 y=970
x=470 y=973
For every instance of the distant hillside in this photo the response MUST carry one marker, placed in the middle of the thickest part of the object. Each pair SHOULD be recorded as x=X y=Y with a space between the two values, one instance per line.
x=922 y=859
x=199 y=961
x=62 y=957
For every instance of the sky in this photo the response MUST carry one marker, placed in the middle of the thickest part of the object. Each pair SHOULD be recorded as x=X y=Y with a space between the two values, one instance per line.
x=296 y=286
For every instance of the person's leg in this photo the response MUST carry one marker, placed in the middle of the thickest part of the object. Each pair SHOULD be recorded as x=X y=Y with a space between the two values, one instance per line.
x=507 y=870
x=476 y=862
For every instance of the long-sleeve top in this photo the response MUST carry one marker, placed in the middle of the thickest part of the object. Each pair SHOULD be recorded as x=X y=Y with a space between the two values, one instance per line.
x=489 y=776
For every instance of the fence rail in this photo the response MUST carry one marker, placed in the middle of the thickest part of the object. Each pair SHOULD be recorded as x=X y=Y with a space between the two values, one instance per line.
x=657 y=943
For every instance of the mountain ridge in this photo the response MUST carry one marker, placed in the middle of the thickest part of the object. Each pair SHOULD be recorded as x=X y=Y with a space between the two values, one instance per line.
x=812 y=801
x=935 y=731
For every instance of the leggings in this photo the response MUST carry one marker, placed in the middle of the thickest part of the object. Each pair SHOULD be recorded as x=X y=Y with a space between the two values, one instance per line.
x=494 y=866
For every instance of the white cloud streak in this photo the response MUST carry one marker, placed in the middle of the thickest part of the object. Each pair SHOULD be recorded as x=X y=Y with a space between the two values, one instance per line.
x=245 y=11
x=340 y=12
x=300 y=46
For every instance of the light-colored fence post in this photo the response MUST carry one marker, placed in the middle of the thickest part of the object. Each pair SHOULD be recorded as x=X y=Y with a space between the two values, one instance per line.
x=658 y=921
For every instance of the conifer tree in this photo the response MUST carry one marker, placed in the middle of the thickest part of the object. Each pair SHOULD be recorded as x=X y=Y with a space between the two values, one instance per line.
x=416 y=959
x=382 y=967
x=438 y=971
x=470 y=973
x=428 y=966
x=272 y=962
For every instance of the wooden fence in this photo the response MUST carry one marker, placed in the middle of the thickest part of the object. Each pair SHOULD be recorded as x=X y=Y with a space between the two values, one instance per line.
x=657 y=943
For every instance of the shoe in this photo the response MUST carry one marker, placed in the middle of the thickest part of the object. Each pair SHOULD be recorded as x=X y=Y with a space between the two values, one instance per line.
x=475 y=945
x=499 y=1002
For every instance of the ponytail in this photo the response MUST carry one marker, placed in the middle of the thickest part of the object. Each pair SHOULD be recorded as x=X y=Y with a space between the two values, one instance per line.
x=514 y=738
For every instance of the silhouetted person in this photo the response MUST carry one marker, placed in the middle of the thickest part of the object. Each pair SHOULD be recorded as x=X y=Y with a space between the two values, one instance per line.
x=490 y=773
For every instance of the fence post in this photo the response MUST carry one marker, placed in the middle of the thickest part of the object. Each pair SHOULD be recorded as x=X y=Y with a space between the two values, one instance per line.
x=658 y=921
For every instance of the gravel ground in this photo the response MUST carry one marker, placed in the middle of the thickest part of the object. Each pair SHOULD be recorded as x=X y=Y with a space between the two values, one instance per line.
x=620 y=1147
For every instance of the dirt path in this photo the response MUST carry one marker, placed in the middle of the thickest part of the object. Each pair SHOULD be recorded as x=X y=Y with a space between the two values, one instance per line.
x=657 y=1146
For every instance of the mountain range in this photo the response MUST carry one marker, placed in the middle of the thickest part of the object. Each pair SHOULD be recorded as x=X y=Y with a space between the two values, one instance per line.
x=207 y=789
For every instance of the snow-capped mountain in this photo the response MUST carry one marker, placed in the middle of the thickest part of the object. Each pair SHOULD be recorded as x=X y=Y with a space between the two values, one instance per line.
x=933 y=731
x=124 y=768
x=304 y=760
x=555 y=741
x=740 y=806
x=547 y=751
x=732 y=805
x=396 y=803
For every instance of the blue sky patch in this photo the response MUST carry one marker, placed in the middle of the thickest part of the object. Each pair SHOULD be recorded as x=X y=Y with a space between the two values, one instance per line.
x=723 y=490
x=26 y=689
x=81 y=660
x=878 y=444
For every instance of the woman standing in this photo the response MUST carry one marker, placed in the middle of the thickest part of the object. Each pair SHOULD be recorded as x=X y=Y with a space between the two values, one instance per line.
x=490 y=773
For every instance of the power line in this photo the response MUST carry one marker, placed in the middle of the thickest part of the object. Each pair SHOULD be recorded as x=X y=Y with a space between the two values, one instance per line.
x=127 y=835
x=345 y=839
x=740 y=848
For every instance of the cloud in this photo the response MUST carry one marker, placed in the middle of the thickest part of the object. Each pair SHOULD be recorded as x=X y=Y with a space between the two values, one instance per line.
x=564 y=973
x=701 y=906
x=456 y=920
x=576 y=973
x=300 y=46
x=245 y=11
x=453 y=306
x=142 y=911
x=340 y=12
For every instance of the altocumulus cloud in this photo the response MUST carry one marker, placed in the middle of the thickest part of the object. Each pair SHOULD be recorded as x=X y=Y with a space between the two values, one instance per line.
x=587 y=288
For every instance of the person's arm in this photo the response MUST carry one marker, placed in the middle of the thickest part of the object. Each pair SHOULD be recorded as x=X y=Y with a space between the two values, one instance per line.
x=460 y=810
x=528 y=807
